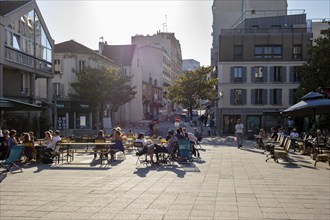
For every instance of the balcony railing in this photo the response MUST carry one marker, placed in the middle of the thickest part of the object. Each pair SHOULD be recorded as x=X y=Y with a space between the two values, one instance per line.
x=264 y=30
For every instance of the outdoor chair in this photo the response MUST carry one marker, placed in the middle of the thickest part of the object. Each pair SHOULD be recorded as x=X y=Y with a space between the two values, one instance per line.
x=325 y=155
x=282 y=153
x=13 y=157
x=141 y=158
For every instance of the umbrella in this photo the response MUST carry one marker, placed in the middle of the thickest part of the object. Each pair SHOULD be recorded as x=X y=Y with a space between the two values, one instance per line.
x=311 y=104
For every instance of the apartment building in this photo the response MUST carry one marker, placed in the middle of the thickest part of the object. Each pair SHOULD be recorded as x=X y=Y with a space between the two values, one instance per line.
x=71 y=113
x=257 y=70
x=126 y=56
x=160 y=59
x=227 y=14
x=26 y=58
x=189 y=64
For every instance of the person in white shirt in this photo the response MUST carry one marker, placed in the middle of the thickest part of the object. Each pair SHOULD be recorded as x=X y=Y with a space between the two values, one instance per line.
x=55 y=139
x=48 y=152
x=239 y=131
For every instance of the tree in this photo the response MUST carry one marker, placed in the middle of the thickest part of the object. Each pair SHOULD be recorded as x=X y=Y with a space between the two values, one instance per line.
x=193 y=86
x=315 y=71
x=102 y=86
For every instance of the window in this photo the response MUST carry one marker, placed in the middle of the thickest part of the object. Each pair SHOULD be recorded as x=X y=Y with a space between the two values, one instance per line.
x=238 y=51
x=296 y=76
x=81 y=65
x=297 y=52
x=259 y=96
x=57 y=65
x=277 y=74
x=259 y=74
x=238 y=99
x=238 y=74
x=292 y=98
x=276 y=96
x=58 y=90
x=267 y=51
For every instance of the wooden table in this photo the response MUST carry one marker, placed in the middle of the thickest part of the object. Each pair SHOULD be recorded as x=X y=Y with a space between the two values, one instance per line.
x=70 y=148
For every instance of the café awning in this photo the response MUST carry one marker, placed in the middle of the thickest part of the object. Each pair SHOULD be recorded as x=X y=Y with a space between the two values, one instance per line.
x=17 y=105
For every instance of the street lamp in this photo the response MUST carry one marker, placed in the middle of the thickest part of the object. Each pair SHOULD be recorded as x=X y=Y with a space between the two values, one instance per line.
x=218 y=119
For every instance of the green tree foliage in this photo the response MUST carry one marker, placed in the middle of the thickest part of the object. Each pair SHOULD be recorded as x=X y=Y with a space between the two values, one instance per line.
x=102 y=86
x=316 y=70
x=193 y=86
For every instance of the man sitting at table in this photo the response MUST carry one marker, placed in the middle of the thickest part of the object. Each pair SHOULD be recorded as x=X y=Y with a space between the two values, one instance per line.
x=171 y=146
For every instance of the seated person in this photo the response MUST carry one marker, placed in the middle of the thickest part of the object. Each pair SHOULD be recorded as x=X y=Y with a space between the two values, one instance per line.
x=198 y=135
x=130 y=134
x=118 y=140
x=99 y=138
x=260 y=137
x=273 y=134
x=179 y=134
x=48 y=151
x=294 y=133
x=4 y=144
x=147 y=145
x=29 y=147
x=170 y=147
x=280 y=132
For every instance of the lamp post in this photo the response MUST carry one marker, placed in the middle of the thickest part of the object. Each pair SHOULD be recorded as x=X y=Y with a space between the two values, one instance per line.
x=218 y=118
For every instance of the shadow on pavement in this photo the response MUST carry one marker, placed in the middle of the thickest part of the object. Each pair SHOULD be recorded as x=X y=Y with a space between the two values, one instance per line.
x=143 y=171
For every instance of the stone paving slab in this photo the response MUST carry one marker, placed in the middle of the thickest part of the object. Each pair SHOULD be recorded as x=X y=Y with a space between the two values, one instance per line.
x=227 y=183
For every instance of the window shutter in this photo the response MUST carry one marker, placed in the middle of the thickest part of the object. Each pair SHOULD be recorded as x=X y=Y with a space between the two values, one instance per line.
x=265 y=72
x=62 y=90
x=253 y=76
x=291 y=96
x=283 y=73
x=244 y=96
x=62 y=66
x=232 y=91
x=271 y=74
x=253 y=96
x=264 y=97
x=271 y=96
x=244 y=74
x=231 y=74
x=279 y=96
x=291 y=73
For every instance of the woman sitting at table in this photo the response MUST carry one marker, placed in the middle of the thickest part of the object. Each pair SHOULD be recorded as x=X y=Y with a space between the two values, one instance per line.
x=29 y=150
x=260 y=137
x=99 y=138
x=47 y=139
x=118 y=140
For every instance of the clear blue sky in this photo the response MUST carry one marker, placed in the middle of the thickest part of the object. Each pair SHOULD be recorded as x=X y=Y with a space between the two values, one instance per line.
x=190 y=20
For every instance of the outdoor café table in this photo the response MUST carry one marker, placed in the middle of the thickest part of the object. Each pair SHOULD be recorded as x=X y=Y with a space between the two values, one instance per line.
x=73 y=147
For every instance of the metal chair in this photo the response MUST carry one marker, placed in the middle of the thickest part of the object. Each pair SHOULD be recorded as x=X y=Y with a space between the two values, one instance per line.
x=139 y=148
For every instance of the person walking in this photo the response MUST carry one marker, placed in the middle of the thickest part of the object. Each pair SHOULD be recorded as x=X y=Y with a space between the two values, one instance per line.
x=239 y=130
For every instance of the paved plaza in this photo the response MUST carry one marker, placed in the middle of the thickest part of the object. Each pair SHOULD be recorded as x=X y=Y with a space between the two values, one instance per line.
x=226 y=183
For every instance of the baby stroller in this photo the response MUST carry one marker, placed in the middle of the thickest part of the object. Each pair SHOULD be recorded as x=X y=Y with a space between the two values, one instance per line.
x=184 y=154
